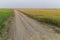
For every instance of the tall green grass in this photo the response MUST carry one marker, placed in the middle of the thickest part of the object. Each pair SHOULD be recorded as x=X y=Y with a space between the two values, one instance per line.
x=4 y=16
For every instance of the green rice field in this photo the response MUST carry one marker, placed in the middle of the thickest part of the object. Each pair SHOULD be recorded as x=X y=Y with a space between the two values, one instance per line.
x=4 y=15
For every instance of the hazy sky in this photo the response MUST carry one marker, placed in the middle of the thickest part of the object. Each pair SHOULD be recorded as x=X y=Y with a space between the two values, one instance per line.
x=30 y=3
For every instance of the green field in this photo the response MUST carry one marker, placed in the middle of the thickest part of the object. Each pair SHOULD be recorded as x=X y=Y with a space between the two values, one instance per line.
x=50 y=16
x=4 y=15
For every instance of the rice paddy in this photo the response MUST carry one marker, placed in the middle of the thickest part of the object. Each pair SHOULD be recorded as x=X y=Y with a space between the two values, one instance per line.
x=4 y=15
x=50 y=16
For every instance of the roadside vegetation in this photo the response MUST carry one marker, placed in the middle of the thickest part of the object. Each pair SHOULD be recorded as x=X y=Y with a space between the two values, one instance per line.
x=50 y=16
x=5 y=14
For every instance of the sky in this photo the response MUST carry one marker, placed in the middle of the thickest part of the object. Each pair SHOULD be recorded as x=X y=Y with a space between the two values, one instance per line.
x=29 y=3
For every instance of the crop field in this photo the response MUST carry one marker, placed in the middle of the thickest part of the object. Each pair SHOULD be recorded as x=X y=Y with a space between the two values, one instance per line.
x=5 y=14
x=50 y=16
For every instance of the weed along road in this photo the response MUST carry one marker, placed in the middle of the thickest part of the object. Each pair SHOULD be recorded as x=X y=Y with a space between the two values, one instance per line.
x=29 y=29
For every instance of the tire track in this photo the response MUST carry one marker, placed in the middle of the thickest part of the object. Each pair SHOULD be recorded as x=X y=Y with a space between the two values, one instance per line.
x=29 y=29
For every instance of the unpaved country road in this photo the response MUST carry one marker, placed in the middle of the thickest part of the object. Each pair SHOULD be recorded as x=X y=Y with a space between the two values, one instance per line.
x=29 y=29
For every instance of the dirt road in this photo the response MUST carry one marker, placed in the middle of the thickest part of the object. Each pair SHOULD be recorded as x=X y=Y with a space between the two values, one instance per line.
x=29 y=29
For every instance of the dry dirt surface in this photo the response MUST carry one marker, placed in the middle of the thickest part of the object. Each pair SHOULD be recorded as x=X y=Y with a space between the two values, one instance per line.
x=25 y=28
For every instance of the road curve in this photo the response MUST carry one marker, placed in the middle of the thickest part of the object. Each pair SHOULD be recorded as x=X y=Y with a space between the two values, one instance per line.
x=29 y=29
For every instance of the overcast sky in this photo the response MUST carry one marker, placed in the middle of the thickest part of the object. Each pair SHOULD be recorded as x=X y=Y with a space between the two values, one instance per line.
x=29 y=3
